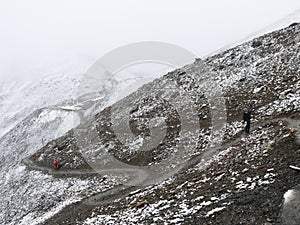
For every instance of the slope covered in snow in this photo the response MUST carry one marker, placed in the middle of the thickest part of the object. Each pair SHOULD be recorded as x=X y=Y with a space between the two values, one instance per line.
x=34 y=112
x=236 y=180
x=243 y=180
x=20 y=100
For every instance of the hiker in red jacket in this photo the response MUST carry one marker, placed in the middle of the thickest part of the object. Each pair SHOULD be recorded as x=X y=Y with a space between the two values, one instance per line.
x=55 y=163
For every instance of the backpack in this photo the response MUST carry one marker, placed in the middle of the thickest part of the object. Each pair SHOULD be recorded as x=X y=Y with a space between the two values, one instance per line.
x=245 y=116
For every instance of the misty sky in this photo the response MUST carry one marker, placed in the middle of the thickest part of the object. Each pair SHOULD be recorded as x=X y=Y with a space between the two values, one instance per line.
x=38 y=34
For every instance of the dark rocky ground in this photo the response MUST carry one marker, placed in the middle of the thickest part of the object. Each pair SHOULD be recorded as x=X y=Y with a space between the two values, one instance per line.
x=260 y=205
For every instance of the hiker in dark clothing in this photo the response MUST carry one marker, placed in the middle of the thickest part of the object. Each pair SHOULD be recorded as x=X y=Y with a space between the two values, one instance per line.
x=247 y=118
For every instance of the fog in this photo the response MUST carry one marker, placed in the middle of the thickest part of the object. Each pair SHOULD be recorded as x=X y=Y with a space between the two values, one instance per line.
x=42 y=37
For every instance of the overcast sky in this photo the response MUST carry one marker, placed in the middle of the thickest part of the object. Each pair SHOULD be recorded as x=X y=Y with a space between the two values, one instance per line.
x=38 y=34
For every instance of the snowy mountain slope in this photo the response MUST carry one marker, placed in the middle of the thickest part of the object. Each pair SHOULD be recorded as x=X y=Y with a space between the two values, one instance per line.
x=280 y=24
x=32 y=114
x=267 y=67
x=33 y=196
x=239 y=177
x=246 y=181
x=246 y=74
x=19 y=100
x=28 y=122
x=264 y=71
x=26 y=137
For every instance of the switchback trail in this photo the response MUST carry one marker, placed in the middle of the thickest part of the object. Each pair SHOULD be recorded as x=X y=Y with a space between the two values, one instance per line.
x=75 y=211
x=32 y=165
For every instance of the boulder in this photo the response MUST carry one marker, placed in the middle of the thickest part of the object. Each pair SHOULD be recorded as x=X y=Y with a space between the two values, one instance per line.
x=141 y=204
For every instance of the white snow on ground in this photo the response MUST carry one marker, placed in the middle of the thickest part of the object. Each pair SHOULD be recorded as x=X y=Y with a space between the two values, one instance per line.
x=36 y=197
x=288 y=196
x=282 y=23
x=33 y=114
x=256 y=145
x=211 y=212
x=45 y=191
x=20 y=100
x=184 y=207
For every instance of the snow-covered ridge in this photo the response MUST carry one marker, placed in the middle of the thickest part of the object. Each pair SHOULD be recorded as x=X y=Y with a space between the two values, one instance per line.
x=32 y=114
x=18 y=101
x=265 y=70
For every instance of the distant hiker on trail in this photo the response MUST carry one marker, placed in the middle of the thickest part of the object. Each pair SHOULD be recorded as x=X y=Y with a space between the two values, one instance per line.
x=55 y=163
x=247 y=118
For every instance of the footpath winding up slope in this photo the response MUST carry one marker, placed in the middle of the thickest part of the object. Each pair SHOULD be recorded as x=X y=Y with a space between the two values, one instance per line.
x=241 y=181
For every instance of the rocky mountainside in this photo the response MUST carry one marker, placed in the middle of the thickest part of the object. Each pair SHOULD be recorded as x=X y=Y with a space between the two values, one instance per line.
x=175 y=151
